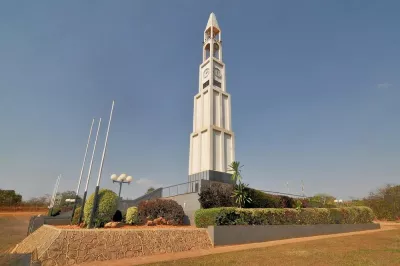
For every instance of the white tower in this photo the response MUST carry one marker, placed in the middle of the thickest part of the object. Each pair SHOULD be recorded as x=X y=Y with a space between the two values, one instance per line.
x=212 y=145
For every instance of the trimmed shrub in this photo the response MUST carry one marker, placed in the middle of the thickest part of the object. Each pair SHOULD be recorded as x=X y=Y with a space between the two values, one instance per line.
x=117 y=217
x=238 y=216
x=168 y=209
x=206 y=217
x=108 y=204
x=216 y=195
x=287 y=202
x=260 y=199
x=77 y=212
x=132 y=216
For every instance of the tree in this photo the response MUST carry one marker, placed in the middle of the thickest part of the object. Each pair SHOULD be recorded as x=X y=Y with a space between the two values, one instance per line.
x=150 y=189
x=323 y=198
x=9 y=197
x=234 y=167
x=240 y=192
x=385 y=202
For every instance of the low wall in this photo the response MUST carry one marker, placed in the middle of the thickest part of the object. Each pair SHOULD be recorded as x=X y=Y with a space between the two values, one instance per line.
x=243 y=234
x=55 y=246
x=190 y=203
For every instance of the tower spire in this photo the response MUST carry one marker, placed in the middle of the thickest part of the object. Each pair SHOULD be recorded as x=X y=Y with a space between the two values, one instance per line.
x=212 y=22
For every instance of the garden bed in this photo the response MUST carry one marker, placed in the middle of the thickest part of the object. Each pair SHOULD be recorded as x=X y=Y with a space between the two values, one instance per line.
x=125 y=226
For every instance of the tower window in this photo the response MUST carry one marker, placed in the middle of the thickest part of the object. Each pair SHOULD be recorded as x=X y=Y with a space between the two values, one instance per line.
x=217 y=83
x=205 y=84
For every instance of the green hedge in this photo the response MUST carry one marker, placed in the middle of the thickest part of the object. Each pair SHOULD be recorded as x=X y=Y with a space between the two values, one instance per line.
x=238 y=216
x=108 y=204
x=132 y=216
x=77 y=212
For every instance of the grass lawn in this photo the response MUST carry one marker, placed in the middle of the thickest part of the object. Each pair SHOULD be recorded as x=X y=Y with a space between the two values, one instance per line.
x=381 y=248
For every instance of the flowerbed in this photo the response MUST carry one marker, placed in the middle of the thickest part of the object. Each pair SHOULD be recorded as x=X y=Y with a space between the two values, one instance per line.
x=271 y=216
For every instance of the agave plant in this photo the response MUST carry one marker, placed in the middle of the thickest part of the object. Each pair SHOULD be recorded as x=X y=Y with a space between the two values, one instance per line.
x=234 y=167
x=241 y=195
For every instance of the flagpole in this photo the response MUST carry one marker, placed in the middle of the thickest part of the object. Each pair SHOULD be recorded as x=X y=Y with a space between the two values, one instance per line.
x=80 y=176
x=55 y=194
x=89 y=173
x=96 y=193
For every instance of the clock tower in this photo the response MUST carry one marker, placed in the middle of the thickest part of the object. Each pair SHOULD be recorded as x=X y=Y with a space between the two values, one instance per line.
x=212 y=142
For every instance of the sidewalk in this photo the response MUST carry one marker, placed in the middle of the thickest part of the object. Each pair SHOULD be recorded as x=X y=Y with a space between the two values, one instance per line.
x=191 y=254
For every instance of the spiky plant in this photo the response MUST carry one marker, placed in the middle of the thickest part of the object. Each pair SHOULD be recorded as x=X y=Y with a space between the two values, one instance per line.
x=234 y=168
x=241 y=195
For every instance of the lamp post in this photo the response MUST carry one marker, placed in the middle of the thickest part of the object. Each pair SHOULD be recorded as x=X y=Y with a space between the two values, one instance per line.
x=122 y=179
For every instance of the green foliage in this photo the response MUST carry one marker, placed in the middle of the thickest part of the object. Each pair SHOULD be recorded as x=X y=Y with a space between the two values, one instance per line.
x=132 y=216
x=260 y=199
x=270 y=216
x=216 y=195
x=234 y=167
x=108 y=203
x=206 y=217
x=9 y=198
x=77 y=212
x=241 y=195
x=170 y=210
x=385 y=202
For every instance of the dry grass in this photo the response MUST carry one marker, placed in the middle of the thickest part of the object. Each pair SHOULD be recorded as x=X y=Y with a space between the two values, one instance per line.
x=381 y=248
x=13 y=228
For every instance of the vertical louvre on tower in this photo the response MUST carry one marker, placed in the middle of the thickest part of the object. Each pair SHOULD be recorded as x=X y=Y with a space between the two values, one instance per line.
x=212 y=142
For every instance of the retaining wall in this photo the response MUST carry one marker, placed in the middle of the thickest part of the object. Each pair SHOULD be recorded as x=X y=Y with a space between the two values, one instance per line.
x=54 y=246
x=243 y=234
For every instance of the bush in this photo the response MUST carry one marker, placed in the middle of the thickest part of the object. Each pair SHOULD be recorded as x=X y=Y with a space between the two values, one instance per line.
x=108 y=204
x=216 y=195
x=287 y=202
x=385 y=202
x=168 y=209
x=77 y=212
x=132 y=216
x=260 y=199
x=268 y=216
x=117 y=217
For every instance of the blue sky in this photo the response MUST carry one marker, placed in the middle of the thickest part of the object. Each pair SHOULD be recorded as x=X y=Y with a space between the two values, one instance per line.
x=315 y=91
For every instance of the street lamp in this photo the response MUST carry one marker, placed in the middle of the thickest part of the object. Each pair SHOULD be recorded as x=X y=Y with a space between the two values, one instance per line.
x=121 y=179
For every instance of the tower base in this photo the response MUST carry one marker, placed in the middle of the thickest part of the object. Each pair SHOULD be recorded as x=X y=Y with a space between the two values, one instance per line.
x=212 y=175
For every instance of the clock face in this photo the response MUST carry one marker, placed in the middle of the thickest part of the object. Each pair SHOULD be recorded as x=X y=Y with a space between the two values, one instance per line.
x=206 y=73
x=217 y=73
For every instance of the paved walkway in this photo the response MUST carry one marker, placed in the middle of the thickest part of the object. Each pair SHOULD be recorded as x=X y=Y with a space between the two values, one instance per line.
x=197 y=253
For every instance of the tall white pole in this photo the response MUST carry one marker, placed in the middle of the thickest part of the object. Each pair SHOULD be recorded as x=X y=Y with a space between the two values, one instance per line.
x=93 y=152
x=105 y=146
x=58 y=184
x=54 y=192
x=89 y=174
x=83 y=166
x=84 y=158
x=96 y=192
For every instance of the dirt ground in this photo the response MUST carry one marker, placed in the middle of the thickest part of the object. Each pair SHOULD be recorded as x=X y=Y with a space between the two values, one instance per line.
x=13 y=228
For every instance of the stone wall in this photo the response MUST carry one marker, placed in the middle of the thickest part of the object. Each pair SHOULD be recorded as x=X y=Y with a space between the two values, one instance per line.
x=55 y=246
